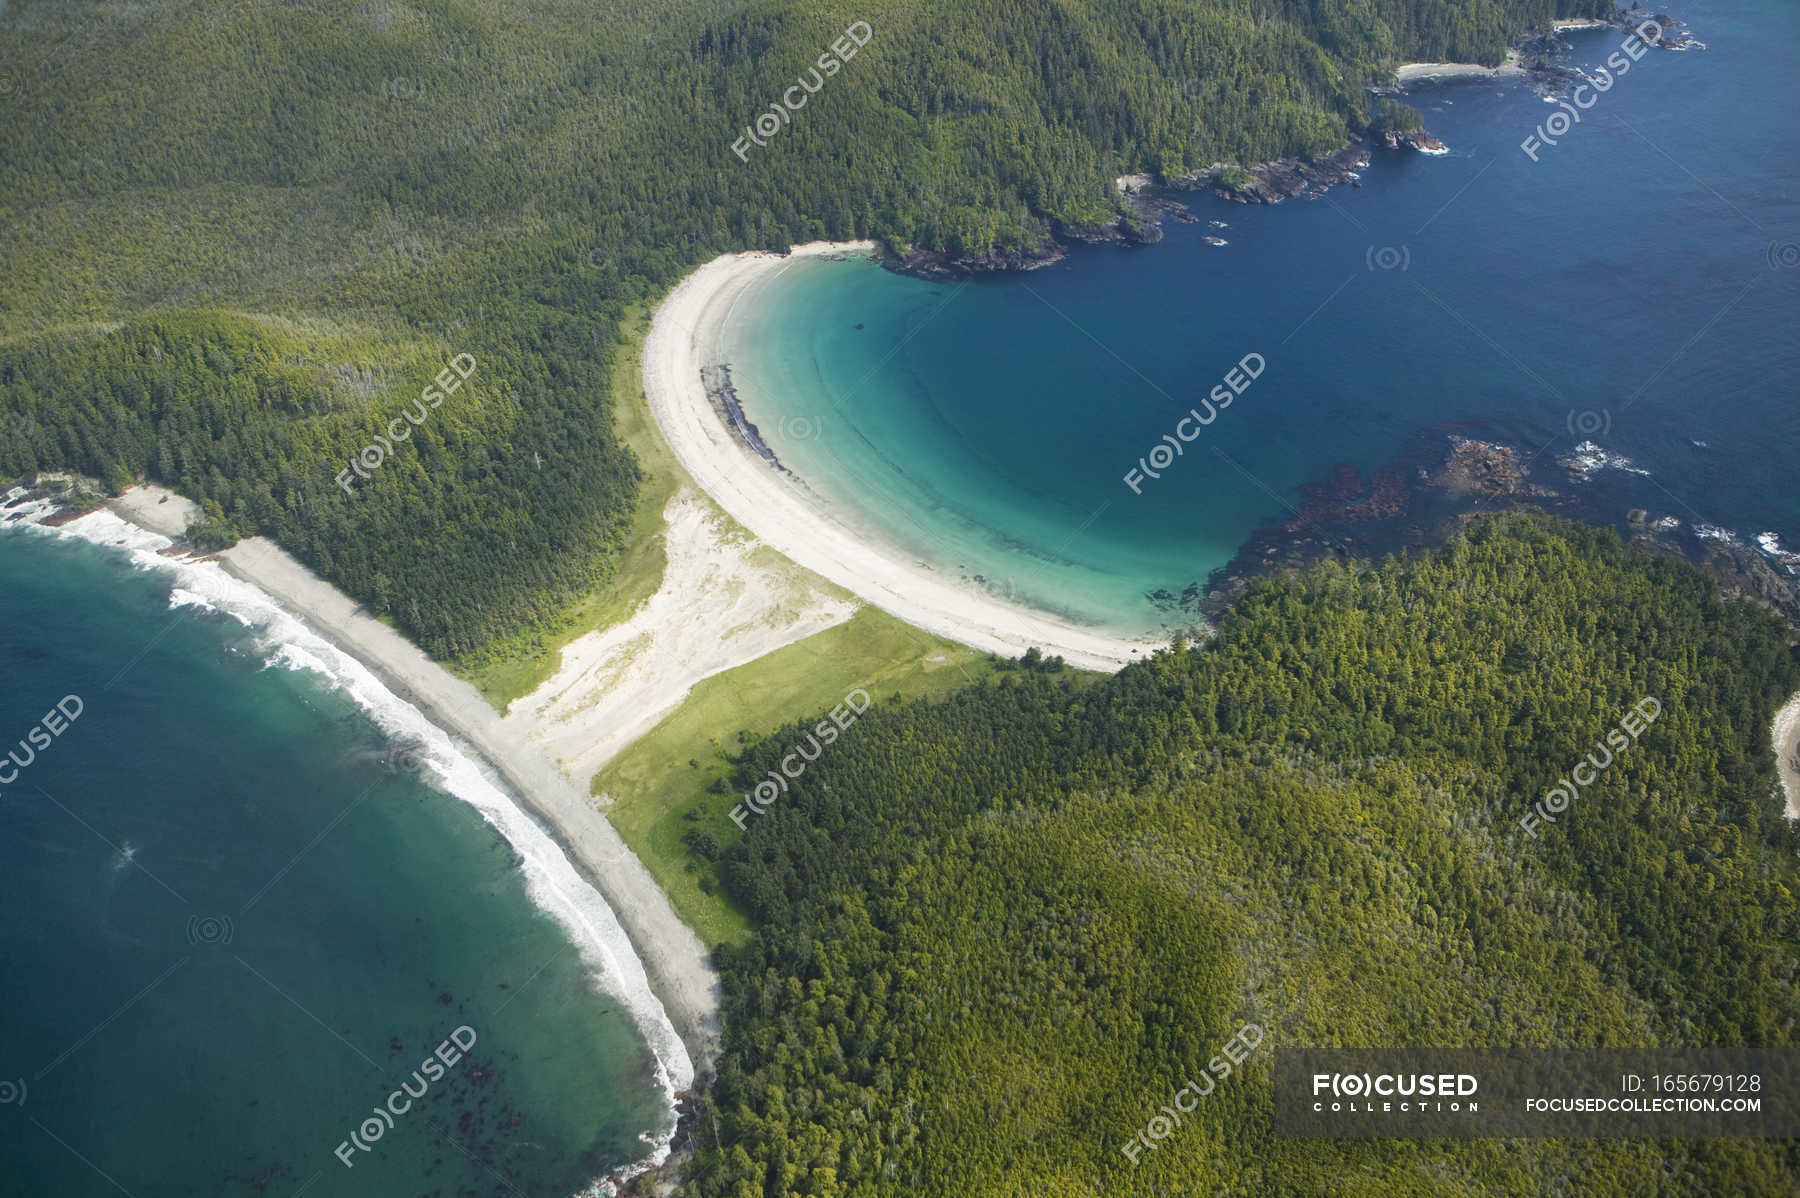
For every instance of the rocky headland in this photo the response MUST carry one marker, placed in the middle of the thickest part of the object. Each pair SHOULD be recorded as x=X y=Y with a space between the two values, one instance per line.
x=1444 y=480
x=1537 y=58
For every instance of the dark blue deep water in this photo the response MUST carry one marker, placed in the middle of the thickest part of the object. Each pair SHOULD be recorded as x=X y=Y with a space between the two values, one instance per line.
x=231 y=926
x=233 y=919
x=1635 y=286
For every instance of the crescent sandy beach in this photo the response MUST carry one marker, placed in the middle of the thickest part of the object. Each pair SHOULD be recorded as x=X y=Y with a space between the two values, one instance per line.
x=684 y=340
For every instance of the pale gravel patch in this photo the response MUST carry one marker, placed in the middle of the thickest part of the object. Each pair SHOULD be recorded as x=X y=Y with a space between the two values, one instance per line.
x=1418 y=72
x=723 y=602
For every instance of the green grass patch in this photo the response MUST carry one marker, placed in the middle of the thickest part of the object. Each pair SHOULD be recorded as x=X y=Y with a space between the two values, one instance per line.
x=660 y=785
x=520 y=667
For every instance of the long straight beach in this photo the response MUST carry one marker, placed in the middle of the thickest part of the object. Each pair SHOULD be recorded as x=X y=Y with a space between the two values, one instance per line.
x=677 y=966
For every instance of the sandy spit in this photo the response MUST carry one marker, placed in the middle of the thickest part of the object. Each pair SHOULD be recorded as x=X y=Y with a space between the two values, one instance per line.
x=685 y=337
x=724 y=601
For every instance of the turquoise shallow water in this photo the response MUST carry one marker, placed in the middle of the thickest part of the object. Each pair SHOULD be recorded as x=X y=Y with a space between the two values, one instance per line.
x=1634 y=285
x=236 y=920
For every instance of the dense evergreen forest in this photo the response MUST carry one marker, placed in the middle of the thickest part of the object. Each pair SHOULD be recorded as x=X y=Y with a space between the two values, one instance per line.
x=997 y=932
x=237 y=239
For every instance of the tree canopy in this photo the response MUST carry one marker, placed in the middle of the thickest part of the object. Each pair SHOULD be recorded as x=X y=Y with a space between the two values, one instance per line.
x=240 y=238
x=996 y=932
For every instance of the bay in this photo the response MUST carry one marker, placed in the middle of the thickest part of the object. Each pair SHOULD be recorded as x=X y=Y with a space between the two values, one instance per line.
x=239 y=915
x=1634 y=286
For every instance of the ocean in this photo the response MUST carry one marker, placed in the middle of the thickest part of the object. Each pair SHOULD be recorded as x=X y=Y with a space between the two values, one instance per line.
x=1634 y=286
x=249 y=894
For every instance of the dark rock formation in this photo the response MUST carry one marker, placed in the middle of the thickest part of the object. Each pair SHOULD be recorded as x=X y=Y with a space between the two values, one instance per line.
x=1272 y=182
x=1427 y=494
x=937 y=265
x=1738 y=569
x=723 y=394
x=1418 y=140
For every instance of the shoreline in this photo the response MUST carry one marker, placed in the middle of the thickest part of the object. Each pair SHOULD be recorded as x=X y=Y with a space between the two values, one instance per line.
x=1140 y=220
x=1784 y=735
x=683 y=341
x=1422 y=72
x=676 y=965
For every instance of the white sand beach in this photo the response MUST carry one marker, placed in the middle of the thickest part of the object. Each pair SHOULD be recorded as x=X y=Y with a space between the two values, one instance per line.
x=727 y=597
x=1425 y=72
x=683 y=339
x=1785 y=735
x=678 y=968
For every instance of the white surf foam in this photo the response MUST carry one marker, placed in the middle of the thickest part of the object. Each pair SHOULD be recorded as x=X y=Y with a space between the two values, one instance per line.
x=1781 y=555
x=551 y=880
x=26 y=511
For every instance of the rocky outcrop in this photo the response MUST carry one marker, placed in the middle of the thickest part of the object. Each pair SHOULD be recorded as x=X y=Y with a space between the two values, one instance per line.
x=1418 y=140
x=1283 y=179
x=940 y=265
x=1144 y=205
x=1671 y=32
x=1139 y=223
x=1480 y=468
x=1428 y=494
x=664 y=1180
x=1739 y=570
